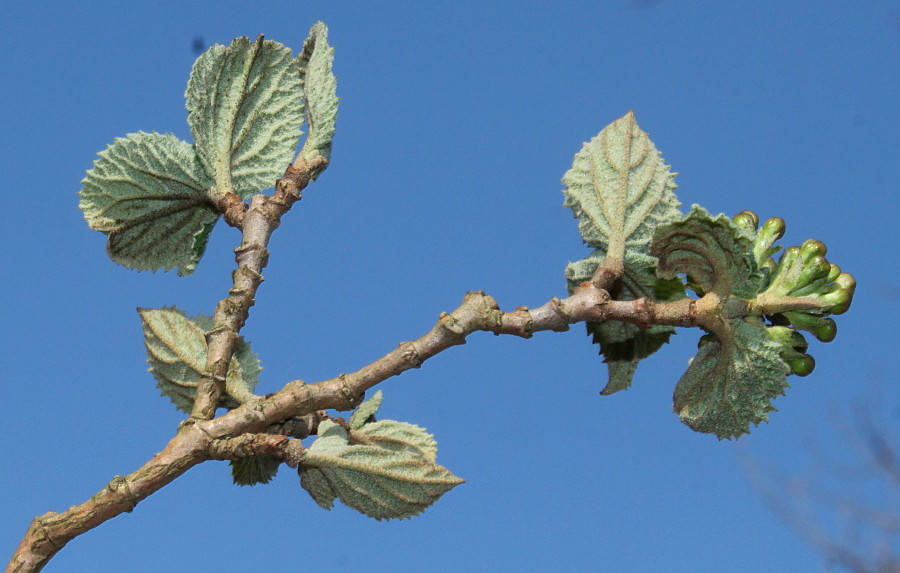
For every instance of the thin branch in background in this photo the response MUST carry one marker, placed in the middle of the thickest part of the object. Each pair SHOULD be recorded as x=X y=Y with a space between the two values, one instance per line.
x=849 y=510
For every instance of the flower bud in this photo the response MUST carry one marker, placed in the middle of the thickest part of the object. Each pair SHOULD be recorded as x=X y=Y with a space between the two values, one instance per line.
x=774 y=228
x=833 y=273
x=815 y=269
x=838 y=301
x=746 y=220
x=812 y=248
x=802 y=366
x=846 y=282
x=827 y=331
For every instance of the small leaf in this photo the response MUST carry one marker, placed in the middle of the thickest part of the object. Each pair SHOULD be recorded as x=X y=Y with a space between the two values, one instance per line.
x=245 y=105
x=176 y=351
x=398 y=437
x=731 y=382
x=377 y=482
x=623 y=344
x=620 y=189
x=148 y=193
x=713 y=251
x=253 y=470
x=320 y=86
x=366 y=411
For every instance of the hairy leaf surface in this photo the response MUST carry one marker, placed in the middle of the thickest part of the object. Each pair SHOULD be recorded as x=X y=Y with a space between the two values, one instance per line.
x=365 y=411
x=623 y=344
x=399 y=437
x=731 y=382
x=620 y=189
x=713 y=251
x=320 y=87
x=176 y=351
x=245 y=108
x=379 y=482
x=148 y=193
x=254 y=469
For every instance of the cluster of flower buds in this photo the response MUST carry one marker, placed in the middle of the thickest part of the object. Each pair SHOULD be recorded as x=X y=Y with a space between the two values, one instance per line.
x=802 y=272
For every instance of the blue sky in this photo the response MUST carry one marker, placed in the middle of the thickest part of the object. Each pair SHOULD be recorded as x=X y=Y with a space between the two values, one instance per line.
x=457 y=122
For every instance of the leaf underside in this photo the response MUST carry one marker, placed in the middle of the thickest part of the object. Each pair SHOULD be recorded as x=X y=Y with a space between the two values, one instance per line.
x=713 y=251
x=377 y=481
x=148 y=193
x=245 y=109
x=320 y=87
x=176 y=352
x=731 y=382
x=620 y=189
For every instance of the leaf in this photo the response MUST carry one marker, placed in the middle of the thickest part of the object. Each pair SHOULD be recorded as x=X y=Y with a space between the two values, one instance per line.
x=148 y=193
x=176 y=351
x=320 y=86
x=245 y=109
x=620 y=189
x=366 y=411
x=398 y=437
x=713 y=251
x=254 y=469
x=731 y=382
x=377 y=482
x=623 y=344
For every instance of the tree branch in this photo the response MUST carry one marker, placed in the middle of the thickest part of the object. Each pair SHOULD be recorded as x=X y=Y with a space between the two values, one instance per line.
x=257 y=225
x=242 y=431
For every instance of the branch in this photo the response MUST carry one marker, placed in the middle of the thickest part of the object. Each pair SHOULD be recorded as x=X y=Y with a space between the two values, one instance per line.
x=240 y=431
x=257 y=225
x=288 y=450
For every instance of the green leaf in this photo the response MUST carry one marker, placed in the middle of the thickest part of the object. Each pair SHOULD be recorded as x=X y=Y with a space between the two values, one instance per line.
x=623 y=344
x=731 y=382
x=176 y=351
x=253 y=470
x=245 y=105
x=366 y=411
x=713 y=251
x=378 y=482
x=620 y=189
x=398 y=437
x=320 y=86
x=148 y=193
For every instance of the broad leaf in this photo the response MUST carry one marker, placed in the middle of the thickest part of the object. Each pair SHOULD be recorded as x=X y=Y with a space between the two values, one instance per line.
x=319 y=85
x=731 y=382
x=713 y=251
x=620 y=189
x=253 y=470
x=366 y=411
x=623 y=344
x=176 y=351
x=245 y=105
x=399 y=437
x=378 y=482
x=148 y=193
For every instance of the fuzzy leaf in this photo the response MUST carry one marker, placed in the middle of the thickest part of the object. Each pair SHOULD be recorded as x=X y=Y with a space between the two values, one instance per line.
x=245 y=108
x=148 y=193
x=398 y=437
x=319 y=85
x=378 y=482
x=253 y=470
x=366 y=411
x=620 y=189
x=623 y=344
x=176 y=351
x=713 y=251
x=731 y=382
